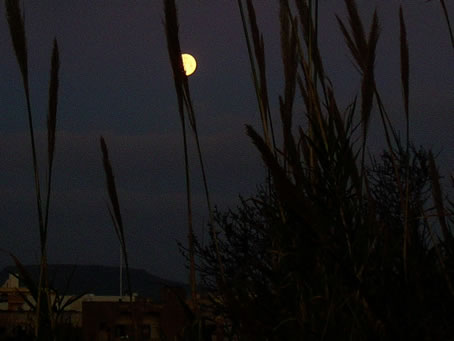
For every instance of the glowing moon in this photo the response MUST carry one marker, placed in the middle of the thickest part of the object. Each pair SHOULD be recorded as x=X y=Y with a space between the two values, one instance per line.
x=189 y=64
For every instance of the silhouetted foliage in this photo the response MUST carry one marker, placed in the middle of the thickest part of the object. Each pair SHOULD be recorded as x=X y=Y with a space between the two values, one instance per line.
x=329 y=248
x=285 y=281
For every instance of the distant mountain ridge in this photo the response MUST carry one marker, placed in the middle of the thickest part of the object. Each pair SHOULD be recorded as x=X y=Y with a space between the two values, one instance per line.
x=70 y=279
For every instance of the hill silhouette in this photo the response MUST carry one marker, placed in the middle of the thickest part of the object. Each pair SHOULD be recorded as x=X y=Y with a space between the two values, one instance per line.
x=70 y=279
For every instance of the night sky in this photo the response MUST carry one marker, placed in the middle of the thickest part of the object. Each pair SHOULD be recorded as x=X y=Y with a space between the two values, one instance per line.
x=116 y=81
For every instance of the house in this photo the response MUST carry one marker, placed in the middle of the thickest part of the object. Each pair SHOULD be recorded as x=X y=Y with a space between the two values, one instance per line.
x=13 y=319
x=141 y=320
x=98 y=314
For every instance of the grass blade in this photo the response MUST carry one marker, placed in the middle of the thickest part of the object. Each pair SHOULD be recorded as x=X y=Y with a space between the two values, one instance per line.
x=448 y=22
x=17 y=31
x=404 y=62
x=258 y=67
x=114 y=210
x=51 y=125
x=53 y=101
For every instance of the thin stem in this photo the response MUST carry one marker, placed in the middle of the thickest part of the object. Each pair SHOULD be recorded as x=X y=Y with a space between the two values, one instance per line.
x=264 y=107
x=35 y=168
x=448 y=22
x=192 y=277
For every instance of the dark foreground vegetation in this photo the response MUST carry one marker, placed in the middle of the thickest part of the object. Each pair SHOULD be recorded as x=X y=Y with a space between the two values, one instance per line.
x=335 y=245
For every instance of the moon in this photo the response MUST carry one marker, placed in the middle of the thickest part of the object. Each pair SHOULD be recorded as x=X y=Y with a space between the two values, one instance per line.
x=189 y=64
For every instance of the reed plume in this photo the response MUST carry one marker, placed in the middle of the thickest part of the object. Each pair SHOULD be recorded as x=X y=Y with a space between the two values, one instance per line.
x=44 y=323
x=114 y=209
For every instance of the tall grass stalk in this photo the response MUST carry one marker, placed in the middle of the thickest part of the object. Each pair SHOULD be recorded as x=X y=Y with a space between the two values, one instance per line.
x=17 y=32
x=173 y=47
x=405 y=75
x=114 y=210
x=44 y=319
x=117 y=221
x=363 y=52
x=256 y=51
x=186 y=109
